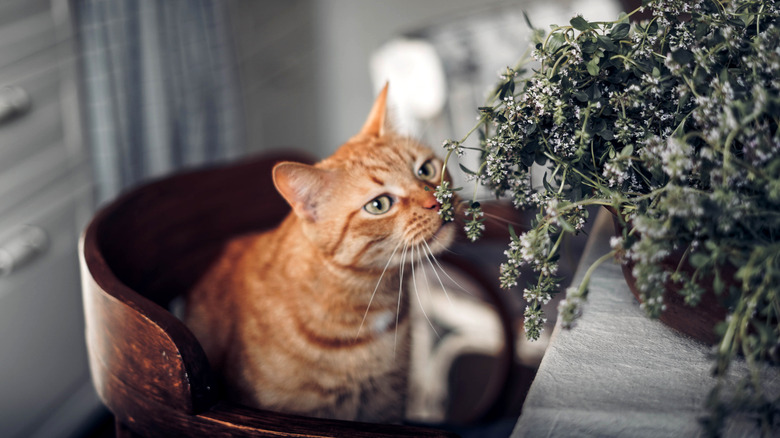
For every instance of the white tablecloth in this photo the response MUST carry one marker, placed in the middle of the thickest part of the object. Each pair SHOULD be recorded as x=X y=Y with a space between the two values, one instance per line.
x=618 y=373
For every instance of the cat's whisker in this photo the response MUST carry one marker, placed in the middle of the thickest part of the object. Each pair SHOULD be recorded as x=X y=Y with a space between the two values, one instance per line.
x=417 y=293
x=444 y=271
x=422 y=268
x=502 y=220
x=373 y=294
x=400 y=292
x=433 y=268
x=443 y=247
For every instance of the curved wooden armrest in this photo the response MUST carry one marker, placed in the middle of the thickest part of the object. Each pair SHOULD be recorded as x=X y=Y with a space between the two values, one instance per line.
x=149 y=246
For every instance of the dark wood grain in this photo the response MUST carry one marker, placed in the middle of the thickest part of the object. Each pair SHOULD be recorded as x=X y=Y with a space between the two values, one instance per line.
x=150 y=246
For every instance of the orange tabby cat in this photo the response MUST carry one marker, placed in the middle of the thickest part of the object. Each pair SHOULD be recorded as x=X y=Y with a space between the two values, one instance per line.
x=310 y=317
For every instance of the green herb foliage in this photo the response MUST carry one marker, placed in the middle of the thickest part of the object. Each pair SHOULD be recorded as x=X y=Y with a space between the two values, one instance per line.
x=673 y=123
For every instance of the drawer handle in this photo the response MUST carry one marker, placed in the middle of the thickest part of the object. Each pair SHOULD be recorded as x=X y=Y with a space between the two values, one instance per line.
x=14 y=101
x=22 y=249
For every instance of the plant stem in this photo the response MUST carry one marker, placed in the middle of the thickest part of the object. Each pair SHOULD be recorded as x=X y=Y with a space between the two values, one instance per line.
x=554 y=249
x=586 y=278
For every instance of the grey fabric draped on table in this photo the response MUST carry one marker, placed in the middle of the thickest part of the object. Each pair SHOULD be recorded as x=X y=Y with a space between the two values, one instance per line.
x=160 y=88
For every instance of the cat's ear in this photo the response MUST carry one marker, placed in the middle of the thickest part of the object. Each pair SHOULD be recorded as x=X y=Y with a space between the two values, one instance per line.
x=302 y=186
x=375 y=125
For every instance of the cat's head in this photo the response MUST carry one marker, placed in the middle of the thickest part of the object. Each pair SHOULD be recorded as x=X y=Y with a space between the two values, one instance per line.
x=371 y=199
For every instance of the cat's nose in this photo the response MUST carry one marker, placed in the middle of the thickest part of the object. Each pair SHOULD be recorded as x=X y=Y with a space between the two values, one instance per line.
x=431 y=204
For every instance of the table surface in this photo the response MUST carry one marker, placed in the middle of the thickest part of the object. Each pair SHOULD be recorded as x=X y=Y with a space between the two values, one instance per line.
x=618 y=373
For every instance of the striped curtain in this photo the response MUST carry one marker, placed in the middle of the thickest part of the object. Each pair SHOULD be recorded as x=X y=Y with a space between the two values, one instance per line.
x=160 y=88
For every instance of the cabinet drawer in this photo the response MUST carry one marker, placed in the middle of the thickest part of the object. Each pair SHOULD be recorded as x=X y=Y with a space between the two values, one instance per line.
x=41 y=319
x=12 y=11
x=26 y=134
x=26 y=36
x=42 y=129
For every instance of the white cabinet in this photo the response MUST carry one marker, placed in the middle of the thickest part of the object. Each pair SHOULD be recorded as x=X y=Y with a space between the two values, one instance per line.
x=45 y=190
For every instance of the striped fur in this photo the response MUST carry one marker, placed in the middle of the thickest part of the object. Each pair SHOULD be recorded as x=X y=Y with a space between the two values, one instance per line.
x=310 y=317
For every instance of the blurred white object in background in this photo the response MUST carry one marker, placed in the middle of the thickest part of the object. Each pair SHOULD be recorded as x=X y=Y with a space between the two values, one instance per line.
x=416 y=78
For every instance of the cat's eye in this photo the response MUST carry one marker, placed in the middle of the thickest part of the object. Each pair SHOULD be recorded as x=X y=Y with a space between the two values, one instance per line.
x=379 y=205
x=427 y=170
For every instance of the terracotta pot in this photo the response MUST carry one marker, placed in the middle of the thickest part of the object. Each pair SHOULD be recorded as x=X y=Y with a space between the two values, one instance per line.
x=697 y=322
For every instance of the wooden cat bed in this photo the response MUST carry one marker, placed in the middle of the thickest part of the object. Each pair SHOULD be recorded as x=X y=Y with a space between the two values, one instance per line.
x=148 y=247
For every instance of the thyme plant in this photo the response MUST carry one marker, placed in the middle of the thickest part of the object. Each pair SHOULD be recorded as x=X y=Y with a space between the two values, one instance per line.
x=673 y=123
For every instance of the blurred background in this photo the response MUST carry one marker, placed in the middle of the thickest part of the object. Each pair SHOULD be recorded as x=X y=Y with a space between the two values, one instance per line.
x=97 y=96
